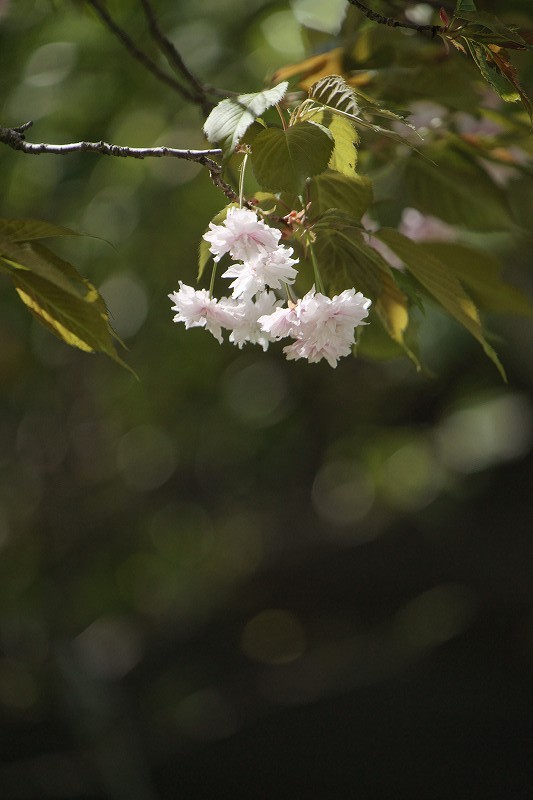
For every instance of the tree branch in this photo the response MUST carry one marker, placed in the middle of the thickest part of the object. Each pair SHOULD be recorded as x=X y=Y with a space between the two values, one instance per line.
x=14 y=138
x=139 y=55
x=396 y=23
x=173 y=57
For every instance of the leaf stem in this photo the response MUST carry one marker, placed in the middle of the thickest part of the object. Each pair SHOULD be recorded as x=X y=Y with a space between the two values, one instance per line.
x=280 y=112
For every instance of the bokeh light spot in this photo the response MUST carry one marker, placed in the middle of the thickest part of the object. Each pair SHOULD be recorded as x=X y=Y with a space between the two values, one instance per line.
x=342 y=495
x=125 y=297
x=146 y=457
x=274 y=636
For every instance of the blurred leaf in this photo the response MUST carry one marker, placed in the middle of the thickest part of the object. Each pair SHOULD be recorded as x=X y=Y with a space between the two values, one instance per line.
x=311 y=69
x=496 y=68
x=480 y=273
x=23 y=230
x=464 y=5
x=437 y=278
x=230 y=119
x=284 y=159
x=60 y=299
x=457 y=190
x=351 y=194
x=485 y=27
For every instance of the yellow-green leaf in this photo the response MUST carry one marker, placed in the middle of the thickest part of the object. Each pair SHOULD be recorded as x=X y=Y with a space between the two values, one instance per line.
x=344 y=156
x=60 y=299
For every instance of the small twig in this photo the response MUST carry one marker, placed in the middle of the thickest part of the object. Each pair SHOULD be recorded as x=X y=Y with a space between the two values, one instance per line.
x=138 y=54
x=396 y=23
x=14 y=138
x=170 y=52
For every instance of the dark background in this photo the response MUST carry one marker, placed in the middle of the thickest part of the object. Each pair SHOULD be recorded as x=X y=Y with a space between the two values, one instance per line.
x=238 y=576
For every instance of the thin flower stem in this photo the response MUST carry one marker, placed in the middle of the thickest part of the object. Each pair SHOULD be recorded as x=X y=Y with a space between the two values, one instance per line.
x=212 y=282
x=241 y=179
x=318 y=278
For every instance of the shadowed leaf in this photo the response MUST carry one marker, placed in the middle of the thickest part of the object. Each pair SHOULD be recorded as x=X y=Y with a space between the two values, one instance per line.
x=441 y=283
x=283 y=159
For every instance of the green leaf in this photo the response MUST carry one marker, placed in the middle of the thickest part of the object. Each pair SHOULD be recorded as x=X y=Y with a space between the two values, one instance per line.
x=353 y=194
x=282 y=160
x=204 y=254
x=480 y=273
x=464 y=5
x=346 y=260
x=344 y=156
x=457 y=190
x=60 y=299
x=230 y=119
x=441 y=284
x=332 y=92
x=23 y=230
x=485 y=27
x=493 y=63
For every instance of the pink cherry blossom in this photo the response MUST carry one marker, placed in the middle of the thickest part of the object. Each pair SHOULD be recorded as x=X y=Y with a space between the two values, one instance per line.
x=269 y=269
x=246 y=327
x=242 y=235
x=197 y=309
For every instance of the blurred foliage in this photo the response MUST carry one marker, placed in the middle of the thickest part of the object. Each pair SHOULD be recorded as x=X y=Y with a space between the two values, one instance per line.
x=239 y=575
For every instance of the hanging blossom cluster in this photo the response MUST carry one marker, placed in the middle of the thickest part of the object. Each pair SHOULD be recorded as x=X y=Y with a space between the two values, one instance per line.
x=321 y=327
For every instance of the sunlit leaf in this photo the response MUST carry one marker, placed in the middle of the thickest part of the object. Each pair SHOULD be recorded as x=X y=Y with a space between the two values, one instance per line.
x=335 y=94
x=230 y=119
x=283 y=159
x=441 y=283
x=60 y=299
x=344 y=156
x=311 y=69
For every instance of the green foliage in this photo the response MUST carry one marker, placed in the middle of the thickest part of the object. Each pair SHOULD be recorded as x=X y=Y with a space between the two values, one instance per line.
x=231 y=118
x=344 y=156
x=351 y=194
x=59 y=298
x=455 y=188
x=282 y=160
x=480 y=272
x=342 y=153
x=333 y=93
x=441 y=285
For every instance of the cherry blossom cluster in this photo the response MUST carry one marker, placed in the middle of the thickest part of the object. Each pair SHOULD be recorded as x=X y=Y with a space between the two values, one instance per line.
x=321 y=327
